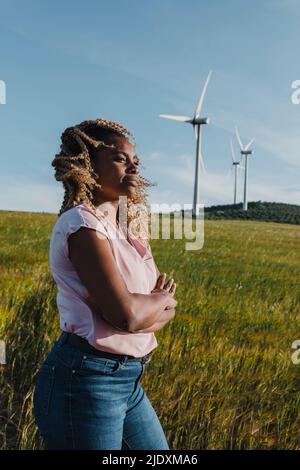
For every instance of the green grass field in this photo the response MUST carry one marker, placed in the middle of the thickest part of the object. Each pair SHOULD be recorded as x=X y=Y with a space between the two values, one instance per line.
x=222 y=375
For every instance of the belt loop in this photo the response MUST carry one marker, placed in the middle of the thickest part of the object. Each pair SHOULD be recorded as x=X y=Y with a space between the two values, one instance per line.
x=123 y=360
x=146 y=358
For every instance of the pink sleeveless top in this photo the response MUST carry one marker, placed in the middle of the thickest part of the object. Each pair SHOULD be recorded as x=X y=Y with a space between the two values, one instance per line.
x=136 y=265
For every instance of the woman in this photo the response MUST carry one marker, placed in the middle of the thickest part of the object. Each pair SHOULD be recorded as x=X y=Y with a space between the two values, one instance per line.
x=111 y=299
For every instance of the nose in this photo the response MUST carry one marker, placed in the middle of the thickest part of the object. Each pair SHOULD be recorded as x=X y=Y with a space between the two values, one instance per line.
x=132 y=168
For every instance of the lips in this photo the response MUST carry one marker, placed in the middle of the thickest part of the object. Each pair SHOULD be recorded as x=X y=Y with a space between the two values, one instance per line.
x=130 y=180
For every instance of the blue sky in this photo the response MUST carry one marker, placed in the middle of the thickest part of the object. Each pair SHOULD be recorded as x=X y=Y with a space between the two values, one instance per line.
x=129 y=61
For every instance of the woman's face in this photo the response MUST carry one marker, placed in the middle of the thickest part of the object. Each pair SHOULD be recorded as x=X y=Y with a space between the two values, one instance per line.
x=117 y=169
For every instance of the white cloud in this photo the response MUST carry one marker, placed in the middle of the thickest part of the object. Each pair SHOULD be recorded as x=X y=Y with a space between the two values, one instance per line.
x=26 y=195
x=214 y=187
x=280 y=137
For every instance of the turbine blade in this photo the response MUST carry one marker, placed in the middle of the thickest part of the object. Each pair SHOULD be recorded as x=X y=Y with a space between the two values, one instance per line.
x=196 y=129
x=240 y=167
x=238 y=138
x=176 y=118
x=200 y=155
x=202 y=96
x=248 y=145
x=232 y=151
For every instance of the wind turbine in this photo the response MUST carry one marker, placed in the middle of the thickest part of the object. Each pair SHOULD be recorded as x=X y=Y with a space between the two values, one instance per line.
x=237 y=165
x=245 y=150
x=197 y=122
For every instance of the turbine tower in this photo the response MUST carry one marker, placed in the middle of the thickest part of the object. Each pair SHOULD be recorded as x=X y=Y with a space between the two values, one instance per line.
x=197 y=122
x=245 y=150
x=237 y=165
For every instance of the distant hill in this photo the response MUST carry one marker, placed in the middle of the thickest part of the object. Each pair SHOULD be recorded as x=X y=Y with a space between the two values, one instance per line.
x=264 y=211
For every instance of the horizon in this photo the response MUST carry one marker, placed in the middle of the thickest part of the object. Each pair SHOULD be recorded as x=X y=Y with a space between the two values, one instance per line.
x=172 y=212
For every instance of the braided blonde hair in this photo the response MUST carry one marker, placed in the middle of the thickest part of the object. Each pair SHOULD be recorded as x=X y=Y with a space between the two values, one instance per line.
x=74 y=169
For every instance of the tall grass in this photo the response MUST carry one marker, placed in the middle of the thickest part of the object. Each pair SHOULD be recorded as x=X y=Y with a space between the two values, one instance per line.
x=222 y=375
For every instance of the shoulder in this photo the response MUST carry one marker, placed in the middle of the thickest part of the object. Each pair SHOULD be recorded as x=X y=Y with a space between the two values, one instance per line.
x=70 y=222
x=73 y=219
x=81 y=216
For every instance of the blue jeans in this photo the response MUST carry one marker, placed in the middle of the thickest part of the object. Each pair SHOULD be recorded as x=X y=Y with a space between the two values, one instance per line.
x=82 y=401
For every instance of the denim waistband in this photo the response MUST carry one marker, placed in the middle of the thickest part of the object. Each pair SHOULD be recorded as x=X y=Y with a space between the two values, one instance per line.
x=83 y=345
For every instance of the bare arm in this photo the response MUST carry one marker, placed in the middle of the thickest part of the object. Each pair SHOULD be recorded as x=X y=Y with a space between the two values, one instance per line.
x=165 y=317
x=95 y=265
x=167 y=314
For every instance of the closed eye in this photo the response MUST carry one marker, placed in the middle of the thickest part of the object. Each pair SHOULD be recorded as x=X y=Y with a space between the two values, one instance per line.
x=122 y=158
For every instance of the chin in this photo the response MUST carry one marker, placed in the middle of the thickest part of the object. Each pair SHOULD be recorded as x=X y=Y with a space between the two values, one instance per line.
x=130 y=191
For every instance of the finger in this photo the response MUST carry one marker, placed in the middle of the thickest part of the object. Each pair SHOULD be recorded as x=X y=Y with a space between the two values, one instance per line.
x=161 y=281
x=157 y=281
x=169 y=284
x=173 y=288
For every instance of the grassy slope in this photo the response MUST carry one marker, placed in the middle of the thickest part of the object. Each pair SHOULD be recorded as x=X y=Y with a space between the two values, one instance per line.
x=264 y=211
x=222 y=375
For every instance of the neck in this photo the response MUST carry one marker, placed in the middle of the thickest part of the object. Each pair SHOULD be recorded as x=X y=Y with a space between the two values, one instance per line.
x=109 y=208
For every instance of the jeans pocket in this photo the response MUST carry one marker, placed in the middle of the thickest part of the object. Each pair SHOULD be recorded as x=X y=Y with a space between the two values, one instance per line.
x=43 y=390
x=98 y=365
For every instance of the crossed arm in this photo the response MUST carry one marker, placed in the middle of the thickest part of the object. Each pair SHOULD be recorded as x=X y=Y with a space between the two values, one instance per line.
x=167 y=315
x=96 y=267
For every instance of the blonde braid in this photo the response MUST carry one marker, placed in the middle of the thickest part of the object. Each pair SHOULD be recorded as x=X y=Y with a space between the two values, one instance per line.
x=74 y=169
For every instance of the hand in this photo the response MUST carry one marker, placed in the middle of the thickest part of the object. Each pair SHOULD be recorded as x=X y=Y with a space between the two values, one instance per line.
x=161 y=284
